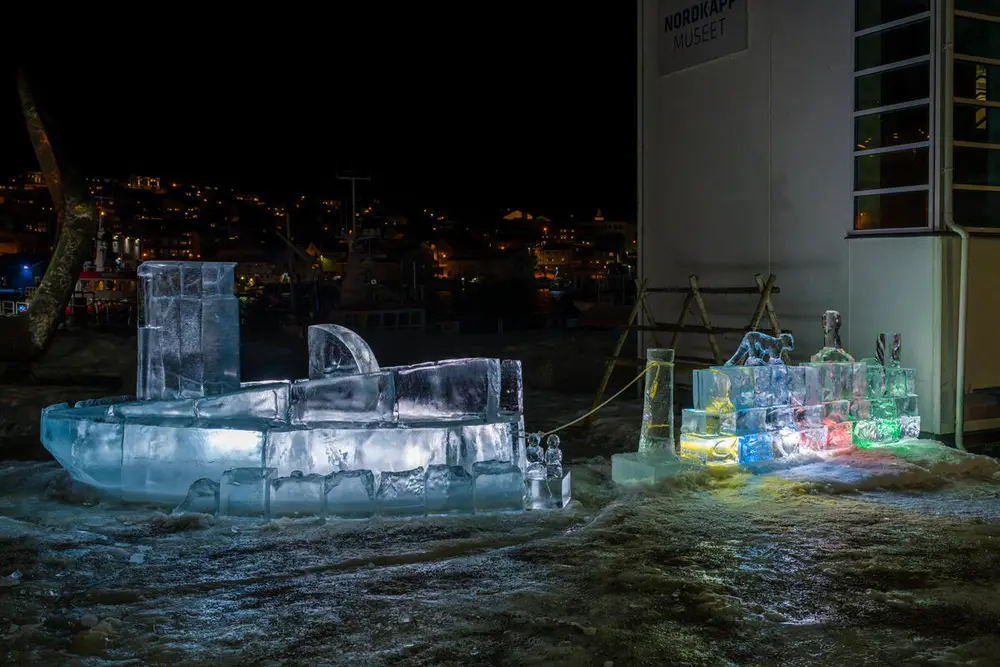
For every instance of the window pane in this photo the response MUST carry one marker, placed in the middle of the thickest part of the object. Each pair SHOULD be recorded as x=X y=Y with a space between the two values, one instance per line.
x=979 y=124
x=988 y=7
x=902 y=210
x=977 y=38
x=976 y=166
x=891 y=170
x=892 y=87
x=976 y=81
x=890 y=46
x=871 y=13
x=976 y=209
x=880 y=130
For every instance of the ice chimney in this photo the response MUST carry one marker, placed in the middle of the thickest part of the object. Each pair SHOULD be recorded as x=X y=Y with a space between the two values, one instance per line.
x=189 y=330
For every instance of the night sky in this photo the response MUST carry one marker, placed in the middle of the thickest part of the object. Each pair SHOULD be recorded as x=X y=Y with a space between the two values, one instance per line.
x=468 y=107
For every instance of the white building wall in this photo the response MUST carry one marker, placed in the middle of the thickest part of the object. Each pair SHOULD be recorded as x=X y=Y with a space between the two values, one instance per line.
x=746 y=166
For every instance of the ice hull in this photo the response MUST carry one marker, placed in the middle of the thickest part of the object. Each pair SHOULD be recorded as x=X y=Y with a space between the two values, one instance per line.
x=158 y=460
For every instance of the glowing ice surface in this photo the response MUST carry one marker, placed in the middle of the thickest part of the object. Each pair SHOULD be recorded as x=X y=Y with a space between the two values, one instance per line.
x=352 y=441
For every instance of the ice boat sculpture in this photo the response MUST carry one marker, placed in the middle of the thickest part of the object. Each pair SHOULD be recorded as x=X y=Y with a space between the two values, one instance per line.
x=352 y=440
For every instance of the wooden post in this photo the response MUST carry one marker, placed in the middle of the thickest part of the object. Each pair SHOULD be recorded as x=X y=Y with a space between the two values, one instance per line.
x=693 y=280
x=682 y=320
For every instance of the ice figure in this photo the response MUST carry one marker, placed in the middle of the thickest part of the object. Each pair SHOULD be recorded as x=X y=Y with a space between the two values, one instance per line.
x=758 y=348
x=832 y=351
x=553 y=458
x=189 y=330
x=335 y=350
x=352 y=441
x=536 y=457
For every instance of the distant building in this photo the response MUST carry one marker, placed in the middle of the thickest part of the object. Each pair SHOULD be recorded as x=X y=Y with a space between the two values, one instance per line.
x=144 y=182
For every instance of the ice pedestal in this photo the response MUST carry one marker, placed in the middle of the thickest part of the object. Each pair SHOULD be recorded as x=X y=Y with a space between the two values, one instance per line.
x=647 y=467
x=189 y=337
x=549 y=493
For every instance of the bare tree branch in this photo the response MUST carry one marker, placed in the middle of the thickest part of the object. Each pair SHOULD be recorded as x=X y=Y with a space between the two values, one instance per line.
x=43 y=148
x=28 y=335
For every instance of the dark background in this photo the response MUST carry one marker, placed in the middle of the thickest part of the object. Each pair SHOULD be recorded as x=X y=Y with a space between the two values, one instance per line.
x=468 y=107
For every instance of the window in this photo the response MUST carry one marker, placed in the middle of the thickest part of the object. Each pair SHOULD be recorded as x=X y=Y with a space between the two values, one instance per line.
x=976 y=133
x=871 y=13
x=892 y=128
x=892 y=114
x=895 y=169
x=896 y=86
x=976 y=37
x=893 y=45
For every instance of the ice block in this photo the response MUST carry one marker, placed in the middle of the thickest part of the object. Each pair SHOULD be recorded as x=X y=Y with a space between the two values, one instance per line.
x=189 y=330
x=459 y=389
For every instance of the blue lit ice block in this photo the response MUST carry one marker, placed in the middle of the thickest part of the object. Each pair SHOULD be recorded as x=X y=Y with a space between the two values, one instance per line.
x=754 y=447
x=189 y=330
x=396 y=441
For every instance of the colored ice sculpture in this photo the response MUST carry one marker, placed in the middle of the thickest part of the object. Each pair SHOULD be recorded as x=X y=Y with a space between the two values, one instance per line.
x=354 y=440
x=758 y=348
x=763 y=410
x=889 y=410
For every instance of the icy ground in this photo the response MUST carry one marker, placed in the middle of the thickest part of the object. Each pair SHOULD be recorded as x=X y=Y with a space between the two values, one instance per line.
x=875 y=558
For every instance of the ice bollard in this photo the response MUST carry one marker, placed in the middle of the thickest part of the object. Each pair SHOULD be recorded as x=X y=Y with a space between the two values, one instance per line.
x=657 y=432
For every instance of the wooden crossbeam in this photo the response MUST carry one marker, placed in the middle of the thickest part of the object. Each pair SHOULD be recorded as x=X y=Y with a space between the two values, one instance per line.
x=708 y=290
x=641 y=320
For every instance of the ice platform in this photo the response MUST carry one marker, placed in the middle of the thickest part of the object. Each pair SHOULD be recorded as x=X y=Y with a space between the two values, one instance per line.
x=353 y=440
x=643 y=467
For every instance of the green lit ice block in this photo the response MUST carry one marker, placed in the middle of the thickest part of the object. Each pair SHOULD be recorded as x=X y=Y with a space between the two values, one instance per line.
x=887 y=430
x=864 y=433
x=640 y=467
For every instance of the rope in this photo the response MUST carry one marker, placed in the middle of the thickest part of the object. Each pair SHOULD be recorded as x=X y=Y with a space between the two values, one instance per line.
x=611 y=398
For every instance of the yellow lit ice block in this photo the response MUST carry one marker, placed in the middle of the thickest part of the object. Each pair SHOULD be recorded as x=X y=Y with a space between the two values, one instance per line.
x=712 y=450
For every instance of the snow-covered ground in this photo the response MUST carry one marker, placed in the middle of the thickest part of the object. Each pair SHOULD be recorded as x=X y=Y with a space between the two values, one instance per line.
x=881 y=557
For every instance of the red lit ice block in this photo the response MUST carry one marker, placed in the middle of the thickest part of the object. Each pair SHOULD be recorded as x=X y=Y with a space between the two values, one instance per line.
x=838 y=436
